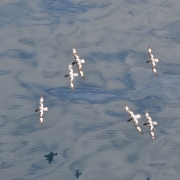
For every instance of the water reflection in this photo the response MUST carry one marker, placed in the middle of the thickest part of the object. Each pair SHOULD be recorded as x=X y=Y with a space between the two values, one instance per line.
x=78 y=173
x=50 y=156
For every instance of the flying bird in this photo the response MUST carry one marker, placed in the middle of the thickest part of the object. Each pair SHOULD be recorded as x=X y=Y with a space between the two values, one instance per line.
x=152 y=60
x=151 y=124
x=133 y=118
x=71 y=76
x=41 y=109
x=78 y=62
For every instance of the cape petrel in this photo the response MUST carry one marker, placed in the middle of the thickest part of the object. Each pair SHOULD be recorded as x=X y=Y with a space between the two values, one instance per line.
x=78 y=62
x=151 y=124
x=71 y=75
x=152 y=60
x=41 y=109
x=133 y=118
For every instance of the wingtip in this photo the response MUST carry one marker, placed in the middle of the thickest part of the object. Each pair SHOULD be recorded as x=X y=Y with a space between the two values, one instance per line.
x=73 y=48
x=126 y=107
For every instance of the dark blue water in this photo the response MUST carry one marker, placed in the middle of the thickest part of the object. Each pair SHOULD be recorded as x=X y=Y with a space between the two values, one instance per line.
x=88 y=128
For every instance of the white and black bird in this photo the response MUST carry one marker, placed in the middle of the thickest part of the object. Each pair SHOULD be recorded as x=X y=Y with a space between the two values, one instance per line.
x=78 y=62
x=133 y=118
x=151 y=124
x=41 y=109
x=152 y=60
x=71 y=75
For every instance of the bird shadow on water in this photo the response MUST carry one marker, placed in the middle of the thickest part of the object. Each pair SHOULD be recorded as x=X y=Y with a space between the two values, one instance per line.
x=49 y=157
x=77 y=173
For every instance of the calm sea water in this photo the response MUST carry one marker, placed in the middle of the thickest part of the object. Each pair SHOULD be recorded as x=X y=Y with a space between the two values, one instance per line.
x=88 y=128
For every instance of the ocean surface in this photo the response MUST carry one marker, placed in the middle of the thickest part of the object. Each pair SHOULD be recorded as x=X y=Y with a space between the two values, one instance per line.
x=87 y=127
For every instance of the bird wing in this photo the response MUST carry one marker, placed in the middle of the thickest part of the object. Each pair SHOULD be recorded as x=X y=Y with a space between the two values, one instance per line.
x=154 y=70
x=150 y=52
x=76 y=56
x=41 y=100
x=136 y=124
x=73 y=50
x=148 y=117
x=79 y=66
x=72 y=86
x=71 y=81
x=41 y=121
x=82 y=74
x=70 y=67
x=151 y=130
x=128 y=110
x=41 y=117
